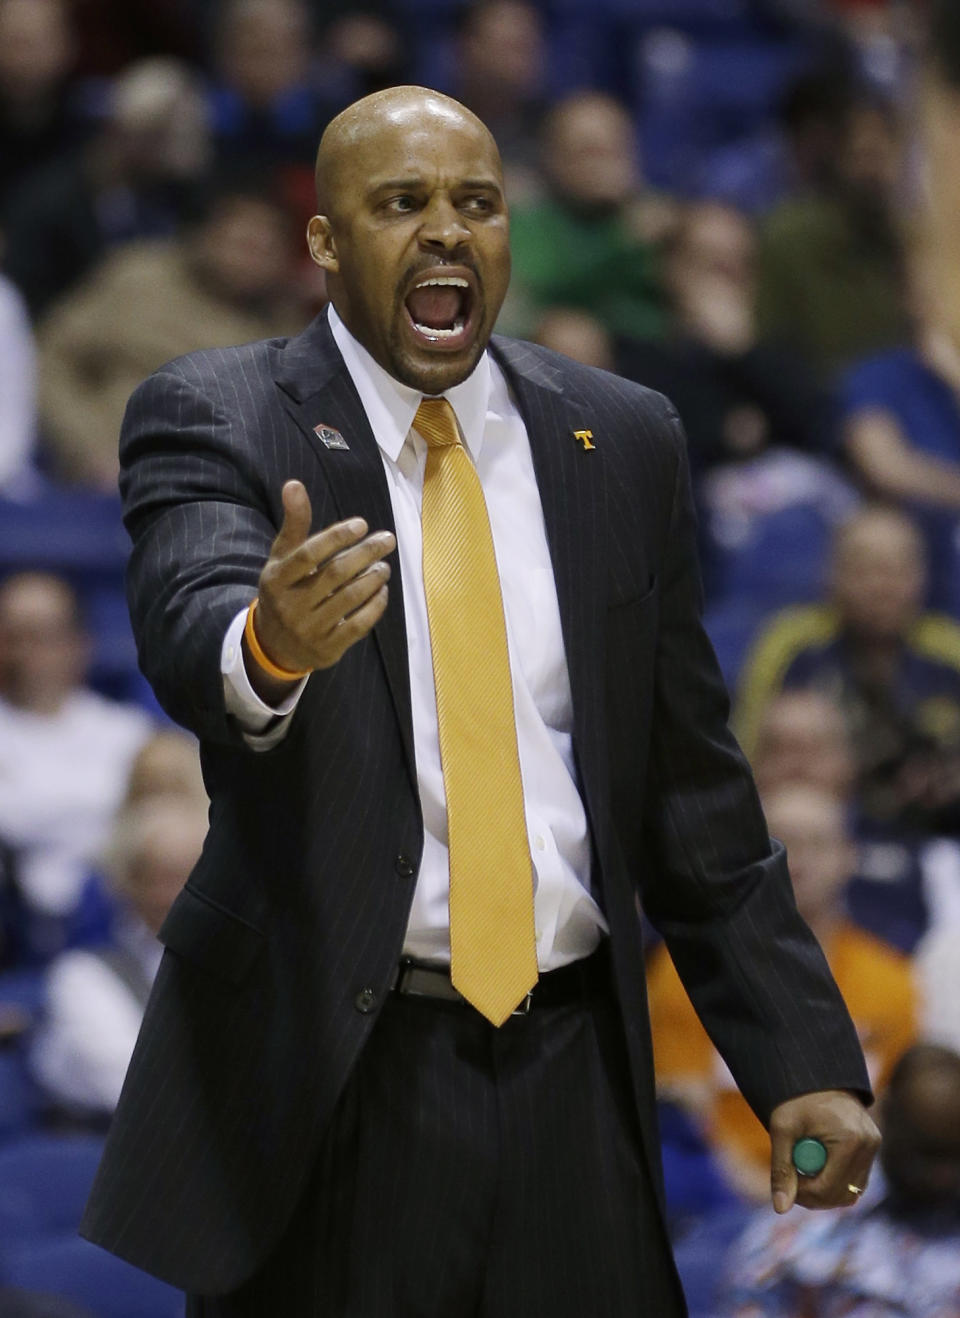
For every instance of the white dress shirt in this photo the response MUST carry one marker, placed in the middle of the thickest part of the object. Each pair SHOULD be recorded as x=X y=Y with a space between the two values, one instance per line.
x=568 y=921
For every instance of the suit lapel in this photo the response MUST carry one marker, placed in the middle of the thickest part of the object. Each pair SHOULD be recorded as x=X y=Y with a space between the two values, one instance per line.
x=571 y=482
x=317 y=390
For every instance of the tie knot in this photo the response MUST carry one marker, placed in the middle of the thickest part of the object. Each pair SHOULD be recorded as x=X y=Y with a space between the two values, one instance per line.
x=437 y=423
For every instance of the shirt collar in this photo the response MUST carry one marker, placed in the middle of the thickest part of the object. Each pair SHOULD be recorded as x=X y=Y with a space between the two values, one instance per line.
x=391 y=406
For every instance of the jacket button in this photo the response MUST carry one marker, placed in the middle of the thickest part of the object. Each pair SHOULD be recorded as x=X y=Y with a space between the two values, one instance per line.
x=403 y=865
x=365 y=1001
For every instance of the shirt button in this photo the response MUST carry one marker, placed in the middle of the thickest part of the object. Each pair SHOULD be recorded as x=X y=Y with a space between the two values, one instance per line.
x=365 y=1001
x=403 y=865
x=540 y=842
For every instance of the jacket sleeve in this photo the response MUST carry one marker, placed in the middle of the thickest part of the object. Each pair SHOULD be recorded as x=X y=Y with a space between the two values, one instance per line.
x=200 y=521
x=717 y=886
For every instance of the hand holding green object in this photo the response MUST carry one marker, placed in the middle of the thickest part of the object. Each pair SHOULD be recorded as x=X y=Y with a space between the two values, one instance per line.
x=809 y=1157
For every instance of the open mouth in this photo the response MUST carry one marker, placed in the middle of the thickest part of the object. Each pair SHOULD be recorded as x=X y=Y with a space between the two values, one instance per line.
x=440 y=309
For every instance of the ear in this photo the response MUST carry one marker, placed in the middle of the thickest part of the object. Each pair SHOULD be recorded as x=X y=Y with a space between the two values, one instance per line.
x=321 y=244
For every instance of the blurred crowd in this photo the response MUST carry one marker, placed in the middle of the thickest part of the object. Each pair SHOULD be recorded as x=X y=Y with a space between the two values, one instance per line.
x=725 y=200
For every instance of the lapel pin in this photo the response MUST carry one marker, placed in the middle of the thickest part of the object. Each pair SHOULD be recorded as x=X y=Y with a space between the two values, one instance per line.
x=586 y=438
x=331 y=438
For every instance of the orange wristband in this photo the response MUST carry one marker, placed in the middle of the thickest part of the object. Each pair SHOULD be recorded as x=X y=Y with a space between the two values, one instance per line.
x=256 y=649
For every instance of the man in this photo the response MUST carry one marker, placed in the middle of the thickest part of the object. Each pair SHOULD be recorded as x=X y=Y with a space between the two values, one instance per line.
x=830 y=263
x=309 y=1126
x=874 y=978
x=892 y=667
x=589 y=244
x=899 y=1255
x=95 y=996
x=941 y=122
x=227 y=278
x=65 y=752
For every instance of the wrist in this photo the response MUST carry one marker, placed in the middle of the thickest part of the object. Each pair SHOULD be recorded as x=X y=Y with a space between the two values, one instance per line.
x=275 y=672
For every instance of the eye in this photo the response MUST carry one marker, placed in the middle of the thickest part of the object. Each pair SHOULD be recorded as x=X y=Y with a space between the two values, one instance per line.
x=478 y=204
x=402 y=204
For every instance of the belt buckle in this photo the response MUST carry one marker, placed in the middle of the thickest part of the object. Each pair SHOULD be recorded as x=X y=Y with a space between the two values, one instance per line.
x=524 y=1007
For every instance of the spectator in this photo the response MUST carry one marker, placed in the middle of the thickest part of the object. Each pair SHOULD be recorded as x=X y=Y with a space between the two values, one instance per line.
x=896 y=1258
x=576 y=334
x=65 y=753
x=134 y=179
x=756 y=416
x=902 y=412
x=941 y=132
x=264 y=109
x=501 y=68
x=360 y=52
x=905 y=883
x=227 y=280
x=738 y=393
x=18 y=405
x=874 y=980
x=38 y=122
x=96 y=998
x=831 y=264
x=794 y=157
x=168 y=764
x=893 y=669
x=801 y=739
x=588 y=244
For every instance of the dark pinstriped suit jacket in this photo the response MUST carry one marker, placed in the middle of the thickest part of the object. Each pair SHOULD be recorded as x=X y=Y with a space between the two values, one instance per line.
x=286 y=938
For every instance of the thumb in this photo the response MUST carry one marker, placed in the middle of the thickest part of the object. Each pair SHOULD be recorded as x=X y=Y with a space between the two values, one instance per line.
x=297 y=516
x=783 y=1175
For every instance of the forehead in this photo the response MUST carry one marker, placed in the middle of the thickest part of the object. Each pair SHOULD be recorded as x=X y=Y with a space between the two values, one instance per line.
x=885 y=540
x=436 y=145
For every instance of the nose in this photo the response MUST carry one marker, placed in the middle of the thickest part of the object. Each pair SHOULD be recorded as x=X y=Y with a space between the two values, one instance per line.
x=443 y=228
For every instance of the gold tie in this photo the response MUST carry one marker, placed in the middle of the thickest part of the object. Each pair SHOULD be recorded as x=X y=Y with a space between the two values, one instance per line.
x=493 y=950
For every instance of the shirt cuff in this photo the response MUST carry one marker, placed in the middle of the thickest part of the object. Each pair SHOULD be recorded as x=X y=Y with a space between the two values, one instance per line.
x=262 y=725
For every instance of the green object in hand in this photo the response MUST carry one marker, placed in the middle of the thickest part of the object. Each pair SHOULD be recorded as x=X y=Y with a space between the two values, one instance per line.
x=809 y=1157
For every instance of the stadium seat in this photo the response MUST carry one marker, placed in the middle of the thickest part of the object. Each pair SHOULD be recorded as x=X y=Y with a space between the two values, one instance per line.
x=71 y=531
x=78 y=1271
x=731 y=625
x=44 y=1183
x=18 y=1100
x=781 y=559
x=700 y=1257
x=696 y=96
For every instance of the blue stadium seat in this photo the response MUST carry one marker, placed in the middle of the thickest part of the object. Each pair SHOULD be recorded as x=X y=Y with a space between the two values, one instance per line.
x=782 y=559
x=696 y=96
x=78 y=1271
x=44 y=1183
x=701 y=1254
x=731 y=625
x=71 y=531
x=19 y=1100
x=694 y=1185
x=25 y=989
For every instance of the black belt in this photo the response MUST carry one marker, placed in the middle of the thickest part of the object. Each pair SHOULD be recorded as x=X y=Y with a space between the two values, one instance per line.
x=573 y=983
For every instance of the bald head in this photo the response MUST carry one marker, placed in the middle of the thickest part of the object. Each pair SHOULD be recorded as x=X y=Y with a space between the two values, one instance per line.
x=812 y=825
x=412 y=233
x=392 y=110
x=878 y=573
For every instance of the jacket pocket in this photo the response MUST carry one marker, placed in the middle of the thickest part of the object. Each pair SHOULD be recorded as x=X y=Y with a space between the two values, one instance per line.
x=211 y=937
x=634 y=601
